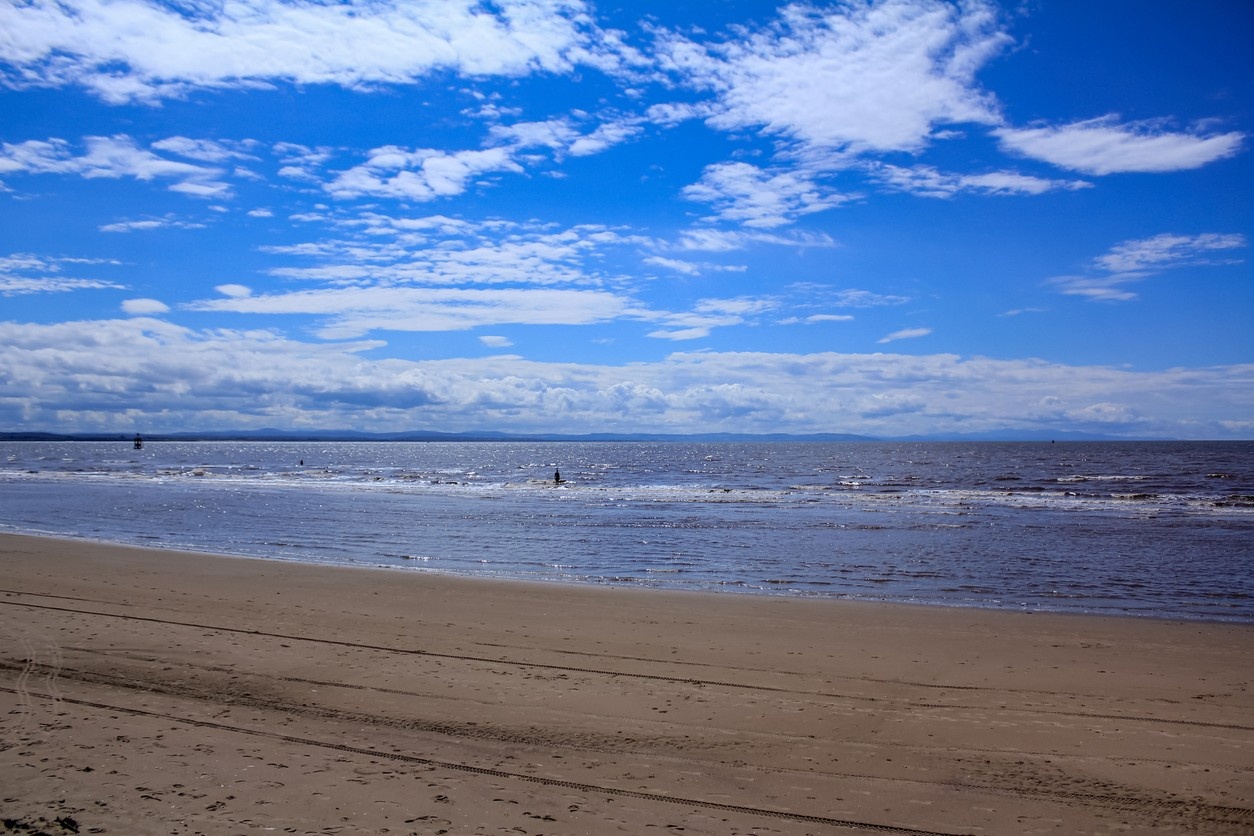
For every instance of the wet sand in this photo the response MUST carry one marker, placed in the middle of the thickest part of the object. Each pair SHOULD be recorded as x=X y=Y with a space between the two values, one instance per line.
x=147 y=691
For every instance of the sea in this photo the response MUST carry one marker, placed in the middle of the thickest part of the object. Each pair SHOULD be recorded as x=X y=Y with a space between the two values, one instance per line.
x=1156 y=529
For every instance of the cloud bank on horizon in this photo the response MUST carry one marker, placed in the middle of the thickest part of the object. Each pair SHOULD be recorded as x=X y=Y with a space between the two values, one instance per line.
x=888 y=218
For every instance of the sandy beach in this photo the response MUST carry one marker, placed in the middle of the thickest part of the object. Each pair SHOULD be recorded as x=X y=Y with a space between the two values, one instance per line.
x=149 y=691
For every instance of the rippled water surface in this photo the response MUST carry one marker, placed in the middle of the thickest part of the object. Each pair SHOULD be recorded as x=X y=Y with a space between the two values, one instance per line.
x=1159 y=528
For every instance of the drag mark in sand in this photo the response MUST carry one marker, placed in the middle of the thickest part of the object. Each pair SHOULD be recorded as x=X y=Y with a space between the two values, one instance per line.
x=1195 y=812
x=1191 y=813
x=481 y=732
x=518 y=776
x=34 y=649
x=647 y=676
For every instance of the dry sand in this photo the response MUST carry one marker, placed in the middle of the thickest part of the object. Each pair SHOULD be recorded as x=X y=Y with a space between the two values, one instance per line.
x=146 y=691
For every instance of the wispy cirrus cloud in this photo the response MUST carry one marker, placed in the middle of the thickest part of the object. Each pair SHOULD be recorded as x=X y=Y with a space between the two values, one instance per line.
x=436 y=273
x=352 y=312
x=708 y=239
x=148 y=224
x=373 y=248
x=111 y=157
x=1163 y=252
x=928 y=181
x=906 y=334
x=23 y=274
x=1133 y=261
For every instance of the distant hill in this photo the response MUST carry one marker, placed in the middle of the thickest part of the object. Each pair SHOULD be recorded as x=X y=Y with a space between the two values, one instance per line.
x=272 y=434
x=1022 y=435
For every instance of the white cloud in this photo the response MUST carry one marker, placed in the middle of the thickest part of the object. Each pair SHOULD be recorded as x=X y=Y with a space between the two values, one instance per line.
x=1167 y=251
x=205 y=150
x=725 y=240
x=604 y=137
x=132 y=50
x=24 y=285
x=1103 y=146
x=557 y=134
x=709 y=314
x=169 y=376
x=822 y=295
x=906 y=334
x=927 y=181
x=759 y=198
x=422 y=175
x=16 y=277
x=144 y=307
x=234 y=291
x=1135 y=260
x=1096 y=288
x=110 y=157
x=692 y=268
x=167 y=222
x=437 y=250
x=350 y=312
x=496 y=341
x=696 y=332
x=850 y=77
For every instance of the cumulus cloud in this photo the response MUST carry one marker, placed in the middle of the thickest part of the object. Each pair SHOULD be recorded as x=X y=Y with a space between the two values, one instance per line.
x=205 y=150
x=557 y=134
x=132 y=50
x=606 y=136
x=422 y=175
x=1104 y=146
x=144 y=307
x=850 y=77
x=175 y=376
x=760 y=198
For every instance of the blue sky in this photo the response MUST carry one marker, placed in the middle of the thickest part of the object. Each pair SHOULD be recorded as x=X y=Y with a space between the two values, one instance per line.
x=885 y=218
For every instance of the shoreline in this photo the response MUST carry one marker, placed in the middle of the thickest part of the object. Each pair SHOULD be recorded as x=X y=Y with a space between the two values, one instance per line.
x=152 y=690
x=638 y=586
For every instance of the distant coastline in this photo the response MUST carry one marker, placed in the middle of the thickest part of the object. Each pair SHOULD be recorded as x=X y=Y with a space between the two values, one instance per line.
x=272 y=434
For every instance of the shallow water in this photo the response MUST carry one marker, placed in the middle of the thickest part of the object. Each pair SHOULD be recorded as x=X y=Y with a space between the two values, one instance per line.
x=1160 y=528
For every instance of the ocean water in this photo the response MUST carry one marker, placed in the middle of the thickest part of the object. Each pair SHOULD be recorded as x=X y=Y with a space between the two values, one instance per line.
x=1161 y=529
